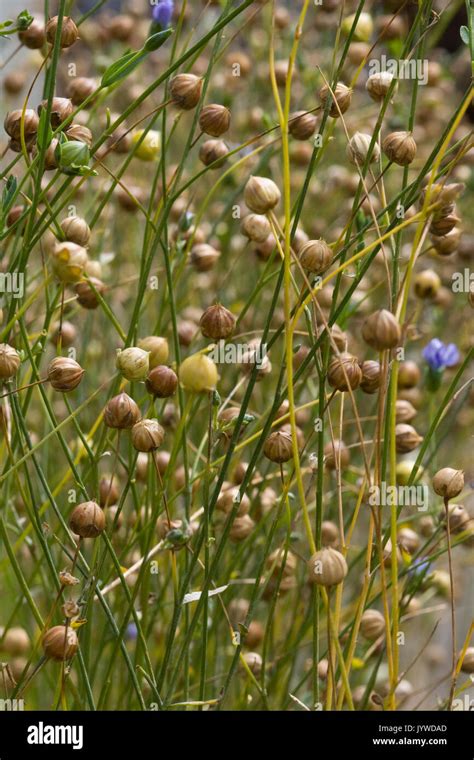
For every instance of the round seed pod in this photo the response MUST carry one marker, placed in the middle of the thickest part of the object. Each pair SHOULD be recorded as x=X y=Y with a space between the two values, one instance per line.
x=133 y=363
x=378 y=85
x=76 y=230
x=458 y=518
x=329 y=534
x=254 y=635
x=444 y=224
x=86 y=296
x=34 y=37
x=448 y=482
x=81 y=88
x=254 y=662
x=213 y=153
x=427 y=283
x=61 y=109
x=371 y=376
x=229 y=497
x=406 y=438
x=315 y=256
x=468 y=661
x=214 y=120
x=277 y=560
x=327 y=567
x=198 y=374
x=69 y=261
x=404 y=411
x=15 y=641
x=344 y=372
x=87 y=520
x=409 y=374
x=60 y=643
x=12 y=123
x=241 y=528
x=372 y=624
x=121 y=412
x=203 y=257
x=408 y=540
x=278 y=446
x=448 y=244
x=148 y=144
x=9 y=361
x=69 y=31
x=261 y=194
x=217 y=322
x=147 y=435
x=79 y=133
x=14 y=82
x=64 y=334
x=162 y=382
x=256 y=227
x=64 y=374
x=157 y=348
x=358 y=149
x=336 y=454
x=400 y=147
x=121 y=27
x=340 y=99
x=185 y=91
x=381 y=330
x=109 y=492
x=302 y=125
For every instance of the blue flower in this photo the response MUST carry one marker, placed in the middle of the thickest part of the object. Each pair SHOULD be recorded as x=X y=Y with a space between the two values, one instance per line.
x=440 y=355
x=163 y=13
x=132 y=632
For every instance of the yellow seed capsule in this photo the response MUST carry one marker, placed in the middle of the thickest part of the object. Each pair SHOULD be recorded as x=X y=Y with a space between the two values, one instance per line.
x=133 y=363
x=149 y=147
x=198 y=374
x=69 y=261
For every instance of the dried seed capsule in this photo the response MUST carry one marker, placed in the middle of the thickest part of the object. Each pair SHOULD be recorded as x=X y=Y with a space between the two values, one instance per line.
x=61 y=109
x=213 y=152
x=12 y=123
x=15 y=641
x=60 y=643
x=315 y=256
x=372 y=624
x=302 y=125
x=458 y=518
x=277 y=560
x=229 y=497
x=214 y=120
x=261 y=194
x=157 y=348
x=371 y=376
x=329 y=534
x=406 y=438
x=358 y=149
x=64 y=374
x=133 y=363
x=404 y=411
x=109 y=492
x=87 y=520
x=64 y=334
x=408 y=540
x=79 y=133
x=327 y=567
x=76 y=230
x=448 y=482
x=203 y=257
x=198 y=374
x=69 y=31
x=86 y=295
x=446 y=244
x=9 y=361
x=468 y=661
x=344 y=372
x=254 y=661
x=185 y=91
x=14 y=82
x=81 y=88
x=217 y=322
x=34 y=37
x=340 y=99
x=381 y=330
x=256 y=227
x=162 y=382
x=278 y=446
x=241 y=528
x=400 y=147
x=336 y=455
x=409 y=374
x=378 y=85
x=147 y=435
x=69 y=261
x=427 y=283
x=121 y=412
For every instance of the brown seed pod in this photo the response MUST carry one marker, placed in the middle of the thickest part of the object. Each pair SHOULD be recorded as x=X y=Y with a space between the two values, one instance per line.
x=336 y=455
x=14 y=82
x=86 y=295
x=372 y=624
x=404 y=411
x=203 y=257
x=9 y=361
x=213 y=153
x=81 y=88
x=231 y=496
x=147 y=435
x=408 y=540
x=406 y=438
x=121 y=412
x=458 y=518
x=329 y=534
x=64 y=374
x=161 y=382
x=340 y=99
x=327 y=567
x=254 y=662
x=400 y=147
x=185 y=91
x=448 y=244
x=302 y=125
x=315 y=256
x=371 y=376
x=344 y=372
x=60 y=643
x=120 y=27
x=378 y=85
x=109 y=492
x=448 y=482
x=34 y=37
x=214 y=119
x=426 y=283
x=277 y=560
x=157 y=347
x=12 y=123
x=442 y=225
x=261 y=195
x=15 y=641
x=278 y=447
x=69 y=31
x=79 y=133
x=468 y=661
x=381 y=330
x=409 y=374
x=61 y=109
x=87 y=520
x=241 y=528
x=358 y=149
x=76 y=230
x=256 y=227
x=217 y=322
